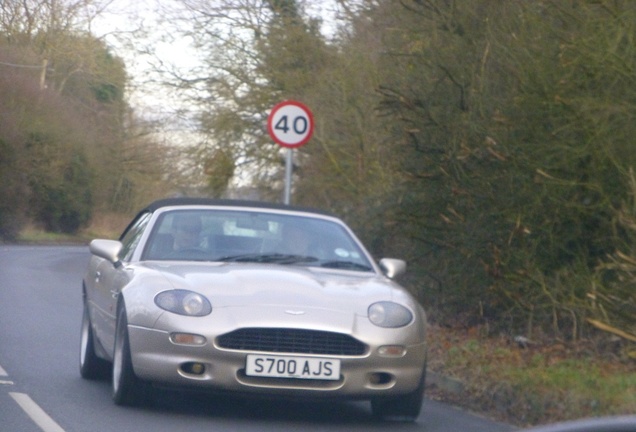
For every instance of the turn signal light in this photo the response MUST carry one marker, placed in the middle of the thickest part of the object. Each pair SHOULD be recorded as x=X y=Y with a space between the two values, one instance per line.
x=392 y=351
x=187 y=339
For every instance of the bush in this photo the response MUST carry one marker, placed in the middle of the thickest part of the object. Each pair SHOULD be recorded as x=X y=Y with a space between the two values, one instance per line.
x=12 y=194
x=65 y=206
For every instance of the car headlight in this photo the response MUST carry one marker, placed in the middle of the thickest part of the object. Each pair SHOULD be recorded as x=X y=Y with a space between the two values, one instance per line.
x=389 y=314
x=183 y=302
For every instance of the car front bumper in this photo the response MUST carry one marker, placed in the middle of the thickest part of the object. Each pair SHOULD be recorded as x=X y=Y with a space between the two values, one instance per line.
x=157 y=359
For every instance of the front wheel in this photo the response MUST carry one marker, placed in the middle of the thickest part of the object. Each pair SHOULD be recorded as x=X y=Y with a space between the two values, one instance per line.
x=91 y=366
x=127 y=388
x=401 y=408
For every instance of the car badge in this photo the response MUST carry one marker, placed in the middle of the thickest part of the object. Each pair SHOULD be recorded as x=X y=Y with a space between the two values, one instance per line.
x=294 y=312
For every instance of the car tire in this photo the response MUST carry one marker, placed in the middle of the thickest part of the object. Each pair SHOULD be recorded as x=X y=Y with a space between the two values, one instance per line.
x=91 y=366
x=128 y=389
x=401 y=408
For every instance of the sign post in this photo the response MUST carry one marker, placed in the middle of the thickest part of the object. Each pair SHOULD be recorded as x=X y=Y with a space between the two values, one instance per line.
x=290 y=124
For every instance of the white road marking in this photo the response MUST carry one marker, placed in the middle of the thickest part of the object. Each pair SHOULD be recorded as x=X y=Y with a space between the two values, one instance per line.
x=3 y=374
x=46 y=423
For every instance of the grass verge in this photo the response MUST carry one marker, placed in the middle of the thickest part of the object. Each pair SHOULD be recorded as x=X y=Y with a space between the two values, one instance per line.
x=541 y=383
x=107 y=225
x=34 y=235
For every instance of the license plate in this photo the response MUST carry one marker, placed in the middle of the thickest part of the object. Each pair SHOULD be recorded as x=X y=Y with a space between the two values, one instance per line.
x=292 y=367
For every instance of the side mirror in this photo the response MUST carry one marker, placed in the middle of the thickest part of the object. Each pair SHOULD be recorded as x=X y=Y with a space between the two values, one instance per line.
x=392 y=267
x=107 y=249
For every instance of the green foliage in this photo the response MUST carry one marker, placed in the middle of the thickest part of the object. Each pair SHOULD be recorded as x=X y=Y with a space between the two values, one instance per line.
x=15 y=92
x=219 y=169
x=12 y=201
x=512 y=119
x=612 y=297
x=61 y=203
x=107 y=93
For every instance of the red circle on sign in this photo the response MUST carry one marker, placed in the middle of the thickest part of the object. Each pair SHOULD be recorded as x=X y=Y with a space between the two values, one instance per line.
x=290 y=124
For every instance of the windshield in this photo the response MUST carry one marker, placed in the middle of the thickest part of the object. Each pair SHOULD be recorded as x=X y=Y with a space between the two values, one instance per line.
x=245 y=236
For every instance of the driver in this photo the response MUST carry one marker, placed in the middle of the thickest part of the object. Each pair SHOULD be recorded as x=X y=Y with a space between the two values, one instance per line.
x=296 y=240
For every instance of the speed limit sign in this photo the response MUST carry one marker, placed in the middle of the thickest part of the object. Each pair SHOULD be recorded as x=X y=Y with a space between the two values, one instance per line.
x=290 y=124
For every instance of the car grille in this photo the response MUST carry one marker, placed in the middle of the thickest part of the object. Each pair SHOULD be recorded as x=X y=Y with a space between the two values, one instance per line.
x=291 y=341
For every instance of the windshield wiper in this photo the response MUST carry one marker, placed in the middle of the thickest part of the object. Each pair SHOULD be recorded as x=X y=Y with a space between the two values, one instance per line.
x=349 y=265
x=276 y=258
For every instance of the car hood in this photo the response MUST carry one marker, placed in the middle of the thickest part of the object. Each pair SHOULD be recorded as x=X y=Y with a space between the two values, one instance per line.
x=247 y=285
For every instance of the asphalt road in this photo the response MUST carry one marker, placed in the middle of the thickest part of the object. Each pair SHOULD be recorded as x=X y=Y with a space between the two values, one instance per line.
x=41 y=389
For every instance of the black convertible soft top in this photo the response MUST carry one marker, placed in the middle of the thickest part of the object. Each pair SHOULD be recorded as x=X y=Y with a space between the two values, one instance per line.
x=186 y=201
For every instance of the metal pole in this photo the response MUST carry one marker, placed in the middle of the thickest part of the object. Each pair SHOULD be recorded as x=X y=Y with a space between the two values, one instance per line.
x=45 y=62
x=288 y=175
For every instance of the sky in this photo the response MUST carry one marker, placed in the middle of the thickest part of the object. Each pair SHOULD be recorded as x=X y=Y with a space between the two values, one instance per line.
x=116 y=26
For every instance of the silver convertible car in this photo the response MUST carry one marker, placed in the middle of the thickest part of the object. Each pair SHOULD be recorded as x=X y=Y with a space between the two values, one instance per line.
x=250 y=298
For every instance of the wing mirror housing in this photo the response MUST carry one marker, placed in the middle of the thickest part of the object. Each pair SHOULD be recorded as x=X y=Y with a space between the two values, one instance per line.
x=107 y=249
x=392 y=267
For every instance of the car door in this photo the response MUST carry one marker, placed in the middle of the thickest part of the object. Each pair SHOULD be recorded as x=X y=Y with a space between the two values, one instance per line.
x=110 y=279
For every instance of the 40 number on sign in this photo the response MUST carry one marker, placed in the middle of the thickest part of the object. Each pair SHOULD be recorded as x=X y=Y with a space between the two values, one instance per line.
x=290 y=124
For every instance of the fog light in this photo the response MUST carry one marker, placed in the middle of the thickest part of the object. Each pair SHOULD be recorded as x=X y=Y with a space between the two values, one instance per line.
x=380 y=378
x=187 y=339
x=193 y=368
x=392 y=351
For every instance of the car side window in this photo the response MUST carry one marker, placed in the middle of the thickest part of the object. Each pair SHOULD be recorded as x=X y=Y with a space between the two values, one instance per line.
x=130 y=239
